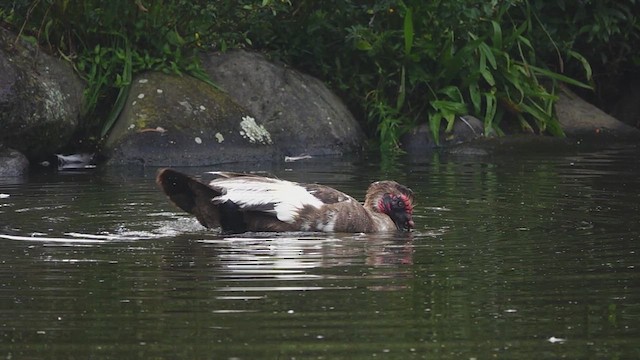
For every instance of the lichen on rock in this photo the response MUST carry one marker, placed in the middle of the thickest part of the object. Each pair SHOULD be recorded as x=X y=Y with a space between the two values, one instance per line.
x=254 y=132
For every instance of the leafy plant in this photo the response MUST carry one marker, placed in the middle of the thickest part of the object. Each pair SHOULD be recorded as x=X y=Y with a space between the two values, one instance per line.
x=403 y=63
x=397 y=63
x=109 y=41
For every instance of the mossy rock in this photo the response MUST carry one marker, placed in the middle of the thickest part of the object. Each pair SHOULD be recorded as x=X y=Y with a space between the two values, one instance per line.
x=172 y=120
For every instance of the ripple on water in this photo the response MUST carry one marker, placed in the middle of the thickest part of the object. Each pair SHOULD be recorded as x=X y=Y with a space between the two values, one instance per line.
x=513 y=256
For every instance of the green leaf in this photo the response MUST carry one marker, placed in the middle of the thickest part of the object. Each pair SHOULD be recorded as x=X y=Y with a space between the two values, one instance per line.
x=476 y=97
x=497 y=34
x=452 y=92
x=450 y=117
x=488 y=77
x=524 y=124
x=585 y=63
x=402 y=91
x=174 y=38
x=538 y=114
x=490 y=112
x=488 y=53
x=47 y=28
x=118 y=106
x=448 y=106
x=555 y=128
x=434 y=126
x=408 y=31
x=553 y=75
x=525 y=41
x=363 y=45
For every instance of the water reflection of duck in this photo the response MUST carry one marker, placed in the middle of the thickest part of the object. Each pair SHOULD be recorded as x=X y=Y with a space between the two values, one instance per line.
x=245 y=202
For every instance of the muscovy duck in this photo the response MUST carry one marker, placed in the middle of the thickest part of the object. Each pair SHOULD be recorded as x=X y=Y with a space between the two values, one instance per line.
x=239 y=203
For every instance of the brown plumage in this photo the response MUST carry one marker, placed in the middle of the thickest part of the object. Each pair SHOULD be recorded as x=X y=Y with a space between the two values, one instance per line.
x=244 y=202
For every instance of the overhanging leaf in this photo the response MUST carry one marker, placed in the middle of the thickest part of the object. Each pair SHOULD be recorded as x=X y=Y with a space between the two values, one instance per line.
x=408 y=31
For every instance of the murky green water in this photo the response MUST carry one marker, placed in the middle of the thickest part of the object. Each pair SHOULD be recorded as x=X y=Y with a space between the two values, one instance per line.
x=517 y=256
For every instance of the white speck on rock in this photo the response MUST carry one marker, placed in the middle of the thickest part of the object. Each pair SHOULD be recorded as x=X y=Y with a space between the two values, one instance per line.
x=141 y=96
x=143 y=81
x=219 y=137
x=198 y=140
x=254 y=132
x=159 y=91
x=131 y=127
x=187 y=107
x=134 y=103
x=203 y=108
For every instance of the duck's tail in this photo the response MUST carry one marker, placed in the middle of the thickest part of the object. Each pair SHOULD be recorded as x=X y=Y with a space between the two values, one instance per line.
x=190 y=195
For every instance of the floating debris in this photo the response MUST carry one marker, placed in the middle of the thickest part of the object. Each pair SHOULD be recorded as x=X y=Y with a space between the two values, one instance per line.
x=297 y=158
x=156 y=129
x=75 y=161
x=554 y=340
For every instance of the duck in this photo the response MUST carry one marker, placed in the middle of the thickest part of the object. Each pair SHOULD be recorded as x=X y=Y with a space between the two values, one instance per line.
x=244 y=202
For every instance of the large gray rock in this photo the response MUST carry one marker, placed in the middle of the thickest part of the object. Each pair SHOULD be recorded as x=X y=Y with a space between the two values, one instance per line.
x=579 y=119
x=266 y=112
x=174 y=120
x=300 y=112
x=12 y=163
x=40 y=98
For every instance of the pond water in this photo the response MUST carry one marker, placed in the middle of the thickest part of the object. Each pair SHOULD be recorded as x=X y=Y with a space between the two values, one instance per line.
x=519 y=256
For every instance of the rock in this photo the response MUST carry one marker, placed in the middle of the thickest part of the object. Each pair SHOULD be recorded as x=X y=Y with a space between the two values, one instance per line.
x=174 y=120
x=40 y=98
x=420 y=140
x=579 y=119
x=12 y=163
x=627 y=109
x=268 y=112
x=301 y=113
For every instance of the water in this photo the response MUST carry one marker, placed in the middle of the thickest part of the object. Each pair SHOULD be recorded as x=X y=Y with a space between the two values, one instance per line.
x=518 y=256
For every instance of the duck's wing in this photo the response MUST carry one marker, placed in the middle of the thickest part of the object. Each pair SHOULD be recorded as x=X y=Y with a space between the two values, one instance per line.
x=285 y=200
x=327 y=195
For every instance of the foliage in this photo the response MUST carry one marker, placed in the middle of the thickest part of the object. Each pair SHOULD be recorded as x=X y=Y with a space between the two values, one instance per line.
x=397 y=63
x=409 y=62
x=109 y=41
x=604 y=32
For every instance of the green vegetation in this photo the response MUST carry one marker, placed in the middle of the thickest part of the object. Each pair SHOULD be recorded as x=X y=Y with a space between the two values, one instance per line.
x=396 y=63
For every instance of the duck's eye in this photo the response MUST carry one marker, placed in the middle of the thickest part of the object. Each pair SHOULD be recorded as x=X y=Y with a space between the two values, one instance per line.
x=399 y=203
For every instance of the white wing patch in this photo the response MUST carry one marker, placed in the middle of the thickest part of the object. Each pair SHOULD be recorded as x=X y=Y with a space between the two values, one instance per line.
x=280 y=197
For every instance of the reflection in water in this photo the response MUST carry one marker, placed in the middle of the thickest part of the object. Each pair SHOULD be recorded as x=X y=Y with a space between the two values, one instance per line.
x=513 y=257
x=285 y=258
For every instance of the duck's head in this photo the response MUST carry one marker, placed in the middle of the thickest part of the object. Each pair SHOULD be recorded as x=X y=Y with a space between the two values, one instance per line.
x=394 y=200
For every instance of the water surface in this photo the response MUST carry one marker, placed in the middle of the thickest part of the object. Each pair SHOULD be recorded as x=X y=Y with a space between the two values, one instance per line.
x=518 y=256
